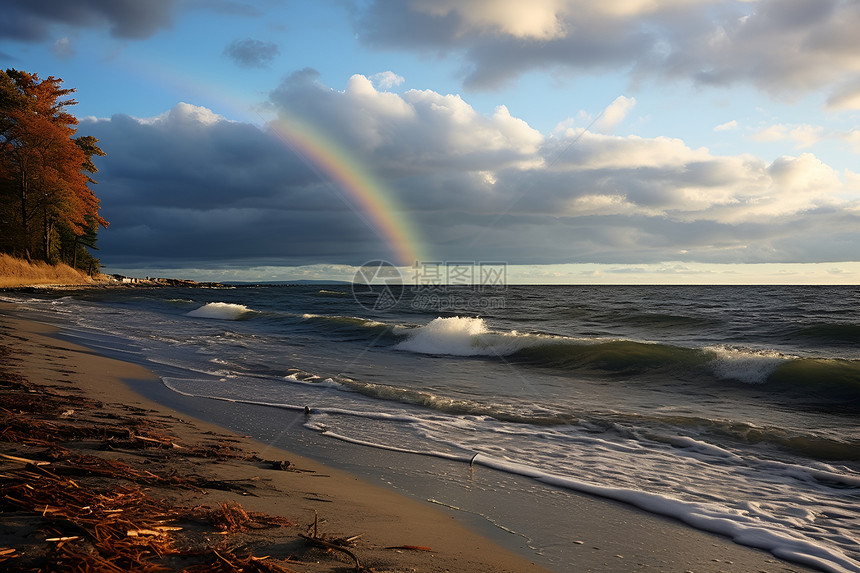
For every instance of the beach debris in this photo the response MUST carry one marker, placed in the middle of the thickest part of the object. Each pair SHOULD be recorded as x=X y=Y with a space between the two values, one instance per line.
x=97 y=512
x=284 y=465
x=411 y=548
x=91 y=527
x=328 y=545
x=23 y=460
x=224 y=561
x=338 y=544
x=121 y=528
x=233 y=518
x=220 y=450
x=281 y=465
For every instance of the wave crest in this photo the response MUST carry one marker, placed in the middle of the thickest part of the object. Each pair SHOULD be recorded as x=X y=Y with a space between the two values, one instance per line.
x=466 y=336
x=221 y=311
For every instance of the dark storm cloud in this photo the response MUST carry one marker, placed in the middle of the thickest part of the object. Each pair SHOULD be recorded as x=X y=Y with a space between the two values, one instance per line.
x=397 y=24
x=780 y=46
x=250 y=53
x=189 y=188
x=32 y=20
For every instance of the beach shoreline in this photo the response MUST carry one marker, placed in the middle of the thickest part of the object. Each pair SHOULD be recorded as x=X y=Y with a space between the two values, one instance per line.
x=423 y=538
x=648 y=540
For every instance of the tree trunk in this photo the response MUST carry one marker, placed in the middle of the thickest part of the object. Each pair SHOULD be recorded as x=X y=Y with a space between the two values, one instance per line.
x=25 y=228
x=46 y=236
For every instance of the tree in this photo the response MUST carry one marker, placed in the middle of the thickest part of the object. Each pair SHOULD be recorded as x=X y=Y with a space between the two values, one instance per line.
x=45 y=199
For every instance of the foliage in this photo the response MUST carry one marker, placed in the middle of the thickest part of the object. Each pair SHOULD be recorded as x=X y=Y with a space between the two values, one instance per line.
x=47 y=209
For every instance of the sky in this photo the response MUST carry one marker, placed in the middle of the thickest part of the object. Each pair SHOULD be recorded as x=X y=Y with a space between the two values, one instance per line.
x=574 y=141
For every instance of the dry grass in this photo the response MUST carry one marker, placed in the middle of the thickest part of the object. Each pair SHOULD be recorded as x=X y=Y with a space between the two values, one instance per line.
x=17 y=272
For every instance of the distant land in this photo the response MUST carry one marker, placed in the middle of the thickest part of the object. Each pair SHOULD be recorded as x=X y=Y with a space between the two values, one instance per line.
x=295 y=282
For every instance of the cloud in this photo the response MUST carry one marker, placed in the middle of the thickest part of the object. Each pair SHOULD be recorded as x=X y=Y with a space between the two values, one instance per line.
x=52 y=20
x=185 y=114
x=803 y=135
x=63 y=48
x=249 y=53
x=386 y=80
x=845 y=96
x=775 y=132
x=728 y=126
x=538 y=19
x=190 y=187
x=784 y=47
x=614 y=114
x=419 y=130
x=187 y=185
x=127 y=19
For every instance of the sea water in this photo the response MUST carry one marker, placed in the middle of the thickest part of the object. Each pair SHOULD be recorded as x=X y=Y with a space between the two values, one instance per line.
x=733 y=409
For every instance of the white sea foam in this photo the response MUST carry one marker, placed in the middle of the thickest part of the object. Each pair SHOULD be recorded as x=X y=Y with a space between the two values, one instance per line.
x=351 y=320
x=744 y=364
x=220 y=311
x=466 y=336
x=707 y=517
x=700 y=446
x=455 y=336
x=314 y=380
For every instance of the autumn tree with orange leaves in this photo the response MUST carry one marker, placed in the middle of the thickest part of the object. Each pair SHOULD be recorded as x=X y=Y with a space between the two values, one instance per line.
x=47 y=209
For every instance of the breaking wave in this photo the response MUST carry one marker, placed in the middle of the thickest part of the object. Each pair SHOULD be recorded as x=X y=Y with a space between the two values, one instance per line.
x=821 y=378
x=221 y=311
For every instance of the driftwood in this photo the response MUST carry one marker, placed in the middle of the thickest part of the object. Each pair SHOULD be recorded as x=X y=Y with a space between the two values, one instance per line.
x=322 y=543
x=23 y=460
x=334 y=545
x=411 y=547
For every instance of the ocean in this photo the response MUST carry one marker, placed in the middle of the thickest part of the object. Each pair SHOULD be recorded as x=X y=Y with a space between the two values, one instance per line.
x=735 y=410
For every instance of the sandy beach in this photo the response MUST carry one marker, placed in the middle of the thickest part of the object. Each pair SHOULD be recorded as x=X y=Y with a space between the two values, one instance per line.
x=222 y=501
x=85 y=390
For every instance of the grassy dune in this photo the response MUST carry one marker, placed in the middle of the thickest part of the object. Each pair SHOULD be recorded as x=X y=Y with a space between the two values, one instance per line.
x=17 y=272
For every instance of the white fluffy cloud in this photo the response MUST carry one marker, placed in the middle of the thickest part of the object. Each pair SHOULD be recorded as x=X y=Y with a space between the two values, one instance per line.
x=415 y=131
x=537 y=19
x=727 y=126
x=386 y=80
x=185 y=114
x=614 y=114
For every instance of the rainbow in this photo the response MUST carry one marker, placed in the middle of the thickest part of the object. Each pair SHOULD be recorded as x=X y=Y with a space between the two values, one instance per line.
x=373 y=200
